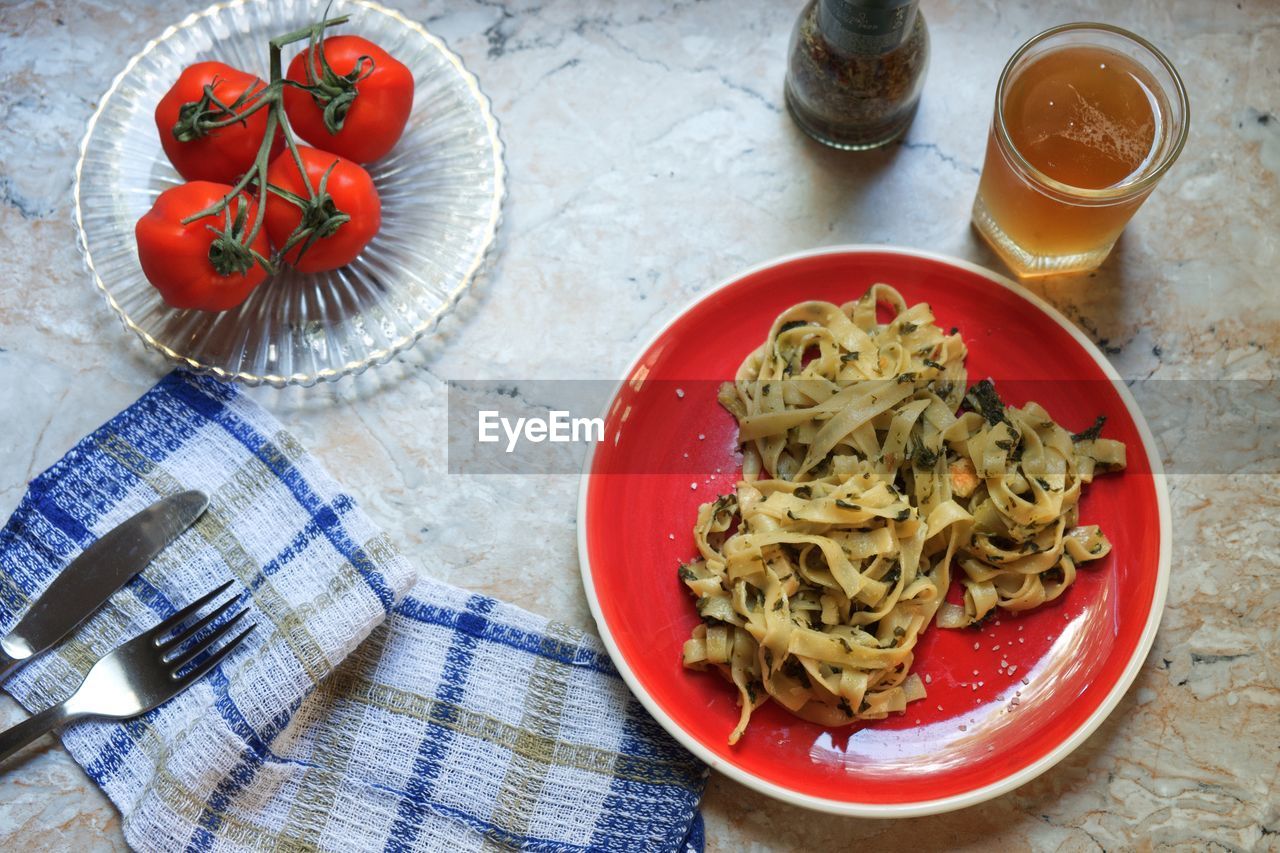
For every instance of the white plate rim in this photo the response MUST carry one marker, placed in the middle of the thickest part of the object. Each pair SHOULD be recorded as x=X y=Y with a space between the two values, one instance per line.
x=942 y=804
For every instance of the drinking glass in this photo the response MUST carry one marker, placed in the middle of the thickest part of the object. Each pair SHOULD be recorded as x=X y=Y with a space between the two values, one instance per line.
x=1054 y=193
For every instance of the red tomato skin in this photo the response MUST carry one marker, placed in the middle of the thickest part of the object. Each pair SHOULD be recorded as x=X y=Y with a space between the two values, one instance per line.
x=379 y=113
x=175 y=257
x=353 y=193
x=221 y=155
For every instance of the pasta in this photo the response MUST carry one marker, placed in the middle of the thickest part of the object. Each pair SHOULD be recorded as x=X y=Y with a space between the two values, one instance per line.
x=863 y=484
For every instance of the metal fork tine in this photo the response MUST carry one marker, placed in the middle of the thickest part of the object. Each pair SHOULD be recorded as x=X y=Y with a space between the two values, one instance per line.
x=135 y=676
x=215 y=658
x=188 y=633
x=206 y=643
x=185 y=613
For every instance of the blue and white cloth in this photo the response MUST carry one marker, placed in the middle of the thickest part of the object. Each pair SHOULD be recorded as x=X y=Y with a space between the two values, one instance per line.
x=367 y=711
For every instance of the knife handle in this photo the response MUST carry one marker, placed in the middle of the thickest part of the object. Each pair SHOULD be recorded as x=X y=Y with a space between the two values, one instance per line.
x=16 y=737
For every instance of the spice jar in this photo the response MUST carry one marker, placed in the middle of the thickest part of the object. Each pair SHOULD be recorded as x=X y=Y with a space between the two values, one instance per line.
x=855 y=70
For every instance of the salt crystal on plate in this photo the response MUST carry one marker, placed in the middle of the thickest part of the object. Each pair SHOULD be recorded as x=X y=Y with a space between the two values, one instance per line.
x=693 y=485
x=680 y=393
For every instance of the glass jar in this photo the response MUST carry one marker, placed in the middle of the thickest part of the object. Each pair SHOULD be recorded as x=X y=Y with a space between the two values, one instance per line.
x=855 y=70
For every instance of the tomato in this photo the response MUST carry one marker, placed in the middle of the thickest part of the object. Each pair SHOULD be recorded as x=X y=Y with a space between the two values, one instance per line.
x=369 y=108
x=220 y=154
x=349 y=192
x=191 y=265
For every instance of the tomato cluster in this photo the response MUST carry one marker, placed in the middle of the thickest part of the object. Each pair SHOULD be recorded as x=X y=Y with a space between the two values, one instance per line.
x=255 y=197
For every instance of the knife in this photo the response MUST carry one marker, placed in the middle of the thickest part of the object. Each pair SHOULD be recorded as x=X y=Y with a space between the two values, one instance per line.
x=92 y=577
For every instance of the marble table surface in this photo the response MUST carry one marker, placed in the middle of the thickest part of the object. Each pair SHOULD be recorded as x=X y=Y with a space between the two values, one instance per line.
x=650 y=157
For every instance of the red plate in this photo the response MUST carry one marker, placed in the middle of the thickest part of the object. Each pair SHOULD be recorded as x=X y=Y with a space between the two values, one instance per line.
x=1066 y=665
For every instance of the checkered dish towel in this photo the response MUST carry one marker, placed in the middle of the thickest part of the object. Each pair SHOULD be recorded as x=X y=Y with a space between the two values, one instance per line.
x=356 y=717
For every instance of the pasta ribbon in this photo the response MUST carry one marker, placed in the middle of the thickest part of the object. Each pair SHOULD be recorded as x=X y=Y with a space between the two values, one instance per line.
x=868 y=471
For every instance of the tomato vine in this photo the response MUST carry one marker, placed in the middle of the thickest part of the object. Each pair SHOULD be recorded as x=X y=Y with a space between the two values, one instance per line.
x=231 y=251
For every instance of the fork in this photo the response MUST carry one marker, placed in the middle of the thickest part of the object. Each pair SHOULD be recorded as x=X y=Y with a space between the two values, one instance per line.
x=141 y=674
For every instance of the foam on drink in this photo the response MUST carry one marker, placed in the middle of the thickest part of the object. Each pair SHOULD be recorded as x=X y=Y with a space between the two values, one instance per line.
x=1085 y=116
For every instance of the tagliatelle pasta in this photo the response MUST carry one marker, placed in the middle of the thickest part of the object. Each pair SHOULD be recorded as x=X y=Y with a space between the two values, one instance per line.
x=863 y=483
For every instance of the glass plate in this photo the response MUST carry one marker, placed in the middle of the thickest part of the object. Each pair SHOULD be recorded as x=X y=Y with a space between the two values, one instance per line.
x=442 y=188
